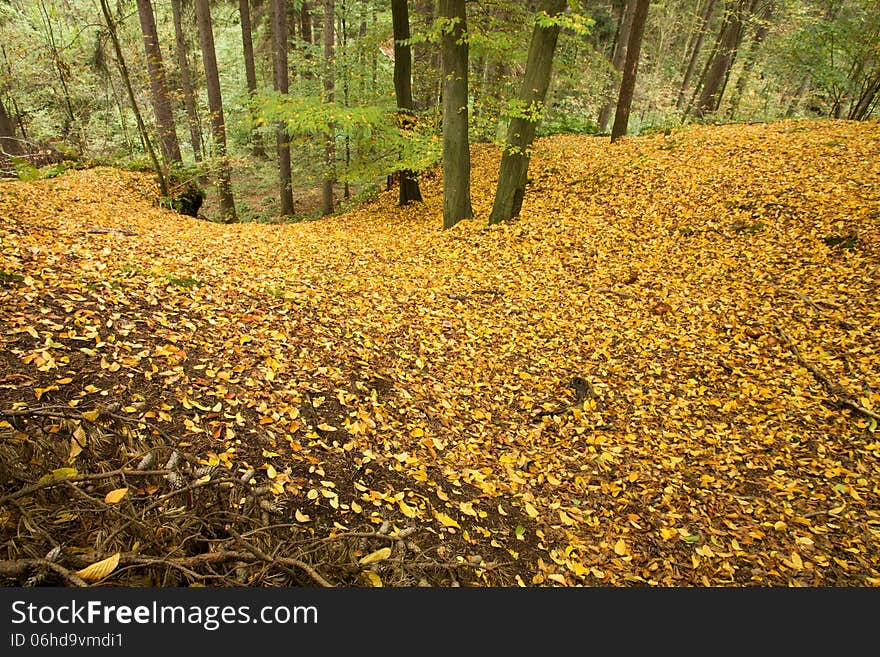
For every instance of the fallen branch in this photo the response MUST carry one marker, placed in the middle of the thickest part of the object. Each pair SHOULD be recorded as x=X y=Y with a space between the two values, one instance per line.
x=841 y=396
x=284 y=562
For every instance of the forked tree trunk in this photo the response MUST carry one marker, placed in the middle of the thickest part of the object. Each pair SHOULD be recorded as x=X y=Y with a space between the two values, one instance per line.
x=281 y=80
x=521 y=131
x=456 y=145
x=189 y=99
x=215 y=104
x=725 y=54
x=617 y=60
x=630 y=69
x=158 y=84
x=250 y=72
x=409 y=186
x=699 y=37
x=329 y=88
x=761 y=33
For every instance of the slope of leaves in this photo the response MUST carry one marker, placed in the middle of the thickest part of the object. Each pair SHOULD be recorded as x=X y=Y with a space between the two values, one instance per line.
x=665 y=373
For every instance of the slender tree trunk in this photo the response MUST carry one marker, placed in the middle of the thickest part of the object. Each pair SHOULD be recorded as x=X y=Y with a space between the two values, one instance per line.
x=61 y=68
x=630 y=69
x=9 y=143
x=168 y=143
x=247 y=43
x=409 y=186
x=281 y=83
x=329 y=88
x=618 y=60
x=699 y=37
x=305 y=21
x=521 y=131
x=761 y=33
x=798 y=94
x=215 y=103
x=425 y=59
x=123 y=71
x=731 y=35
x=189 y=99
x=456 y=145
x=861 y=109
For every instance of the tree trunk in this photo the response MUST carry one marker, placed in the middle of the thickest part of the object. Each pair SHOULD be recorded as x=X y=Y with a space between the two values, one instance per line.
x=168 y=143
x=215 y=103
x=189 y=99
x=305 y=21
x=409 y=186
x=123 y=71
x=695 y=52
x=456 y=145
x=247 y=42
x=618 y=60
x=731 y=35
x=330 y=143
x=521 y=131
x=864 y=104
x=630 y=68
x=9 y=143
x=281 y=81
x=761 y=33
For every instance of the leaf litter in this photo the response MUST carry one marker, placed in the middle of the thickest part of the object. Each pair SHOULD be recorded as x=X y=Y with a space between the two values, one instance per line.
x=664 y=373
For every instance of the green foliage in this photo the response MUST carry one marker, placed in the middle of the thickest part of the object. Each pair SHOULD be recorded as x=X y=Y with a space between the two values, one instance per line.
x=373 y=133
x=186 y=281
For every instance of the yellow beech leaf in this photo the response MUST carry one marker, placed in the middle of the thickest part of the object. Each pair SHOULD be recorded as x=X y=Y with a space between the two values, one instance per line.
x=369 y=578
x=796 y=561
x=668 y=533
x=301 y=517
x=531 y=510
x=115 y=496
x=406 y=509
x=59 y=473
x=374 y=557
x=99 y=570
x=270 y=471
x=620 y=548
x=445 y=520
x=91 y=416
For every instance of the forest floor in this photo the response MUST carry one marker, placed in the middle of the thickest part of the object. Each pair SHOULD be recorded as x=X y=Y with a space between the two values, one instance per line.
x=666 y=372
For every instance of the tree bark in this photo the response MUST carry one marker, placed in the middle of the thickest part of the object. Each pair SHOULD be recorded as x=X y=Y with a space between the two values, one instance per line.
x=247 y=43
x=123 y=71
x=168 y=142
x=9 y=143
x=456 y=145
x=521 y=131
x=305 y=21
x=189 y=99
x=215 y=104
x=699 y=37
x=761 y=33
x=630 y=69
x=329 y=88
x=409 y=185
x=618 y=59
x=716 y=77
x=281 y=79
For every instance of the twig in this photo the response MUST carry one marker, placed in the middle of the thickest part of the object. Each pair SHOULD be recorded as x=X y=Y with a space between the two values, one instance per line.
x=27 y=490
x=841 y=396
x=608 y=290
x=284 y=562
x=19 y=567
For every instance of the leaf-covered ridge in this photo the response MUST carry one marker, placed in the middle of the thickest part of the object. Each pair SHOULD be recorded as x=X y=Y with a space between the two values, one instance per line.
x=665 y=372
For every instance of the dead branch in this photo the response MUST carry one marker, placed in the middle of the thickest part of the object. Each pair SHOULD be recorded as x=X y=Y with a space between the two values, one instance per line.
x=840 y=395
